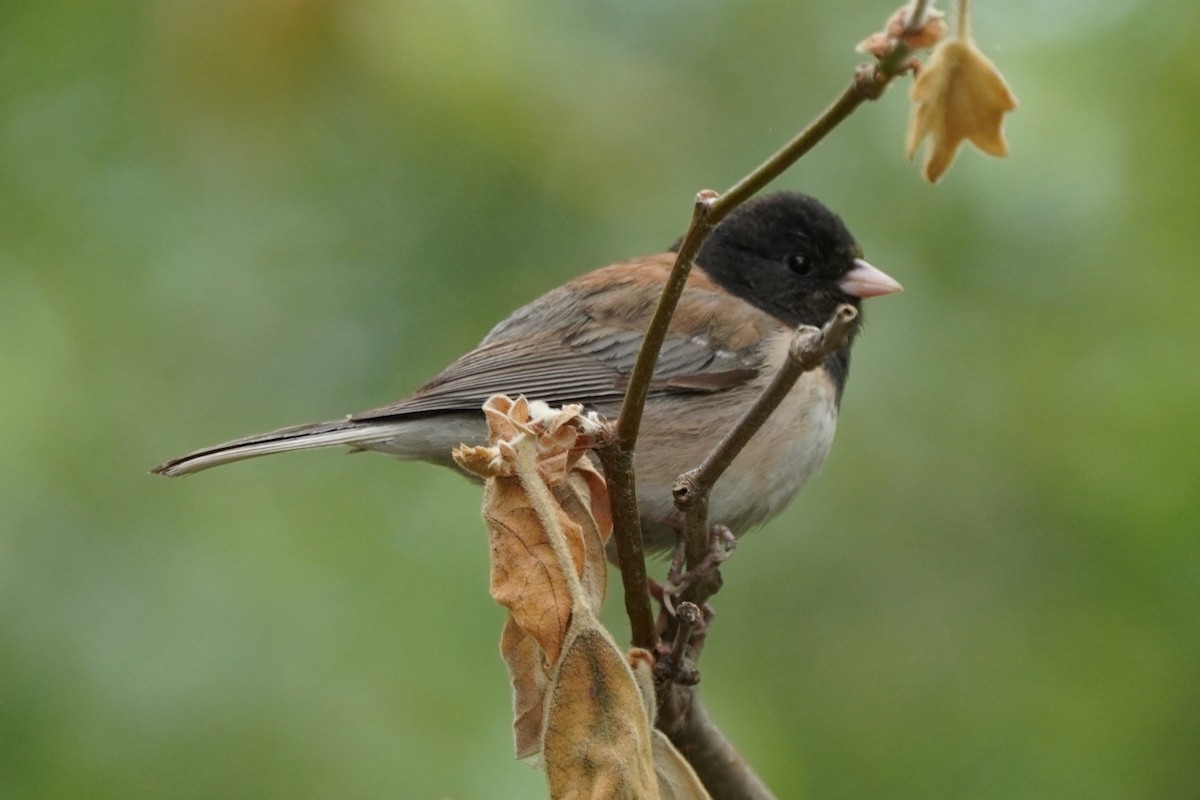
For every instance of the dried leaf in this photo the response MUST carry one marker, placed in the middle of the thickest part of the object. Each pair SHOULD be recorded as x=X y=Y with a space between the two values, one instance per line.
x=597 y=742
x=959 y=95
x=641 y=664
x=482 y=461
x=535 y=448
x=526 y=576
x=547 y=546
x=582 y=494
x=527 y=674
x=676 y=778
x=575 y=697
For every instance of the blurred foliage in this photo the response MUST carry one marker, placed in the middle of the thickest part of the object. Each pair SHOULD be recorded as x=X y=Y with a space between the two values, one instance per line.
x=223 y=217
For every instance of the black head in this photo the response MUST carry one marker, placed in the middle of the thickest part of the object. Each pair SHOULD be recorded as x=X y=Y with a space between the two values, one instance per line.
x=788 y=255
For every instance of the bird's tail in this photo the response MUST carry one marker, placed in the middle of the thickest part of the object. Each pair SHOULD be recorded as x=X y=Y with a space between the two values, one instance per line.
x=357 y=435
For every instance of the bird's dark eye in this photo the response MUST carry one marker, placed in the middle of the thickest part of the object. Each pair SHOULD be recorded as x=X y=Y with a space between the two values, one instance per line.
x=799 y=263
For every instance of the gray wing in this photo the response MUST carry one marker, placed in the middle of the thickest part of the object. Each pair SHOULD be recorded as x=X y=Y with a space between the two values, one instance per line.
x=569 y=347
x=562 y=372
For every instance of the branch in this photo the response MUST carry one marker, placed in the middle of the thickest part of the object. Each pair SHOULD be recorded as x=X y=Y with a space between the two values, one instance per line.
x=627 y=532
x=705 y=216
x=617 y=454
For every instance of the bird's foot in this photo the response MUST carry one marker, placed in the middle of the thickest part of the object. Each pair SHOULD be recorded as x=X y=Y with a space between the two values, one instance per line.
x=721 y=544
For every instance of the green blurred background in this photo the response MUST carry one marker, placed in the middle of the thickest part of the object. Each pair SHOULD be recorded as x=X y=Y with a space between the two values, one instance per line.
x=219 y=218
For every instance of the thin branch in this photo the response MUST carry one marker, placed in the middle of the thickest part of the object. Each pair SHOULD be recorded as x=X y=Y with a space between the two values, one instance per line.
x=627 y=532
x=863 y=87
x=690 y=617
x=677 y=666
x=629 y=422
x=617 y=454
x=808 y=350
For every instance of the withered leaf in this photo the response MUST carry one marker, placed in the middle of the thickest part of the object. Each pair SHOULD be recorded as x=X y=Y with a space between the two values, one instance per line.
x=527 y=674
x=547 y=545
x=526 y=577
x=959 y=95
x=676 y=778
x=597 y=739
x=584 y=497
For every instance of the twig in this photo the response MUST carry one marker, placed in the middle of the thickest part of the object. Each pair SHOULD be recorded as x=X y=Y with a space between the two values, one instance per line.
x=617 y=453
x=677 y=666
x=808 y=350
x=704 y=219
x=627 y=531
x=689 y=616
x=866 y=85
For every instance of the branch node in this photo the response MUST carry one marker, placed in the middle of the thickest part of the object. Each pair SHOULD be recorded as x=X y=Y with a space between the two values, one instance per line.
x=719 y=545
x=689 y=616
x=677 y=666
x=707 y=198
x=870 y=81
x=810 y=346
x=686 y=491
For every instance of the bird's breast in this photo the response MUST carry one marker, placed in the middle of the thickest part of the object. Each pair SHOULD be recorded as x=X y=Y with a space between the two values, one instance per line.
x=789 y=448
x=677 y=434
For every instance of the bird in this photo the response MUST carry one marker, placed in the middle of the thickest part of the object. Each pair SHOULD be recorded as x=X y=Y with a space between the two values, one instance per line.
x=775 y=262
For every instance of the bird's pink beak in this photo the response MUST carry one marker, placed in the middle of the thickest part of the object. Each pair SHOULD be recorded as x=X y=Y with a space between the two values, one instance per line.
x=867 y=281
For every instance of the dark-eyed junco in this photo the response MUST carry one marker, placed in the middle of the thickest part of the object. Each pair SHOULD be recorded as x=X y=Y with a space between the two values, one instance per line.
x=774 y=263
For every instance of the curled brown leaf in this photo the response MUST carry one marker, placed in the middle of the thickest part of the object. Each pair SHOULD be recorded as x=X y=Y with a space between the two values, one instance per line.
x=547 y=514
x=959 y=95
x=597 y=740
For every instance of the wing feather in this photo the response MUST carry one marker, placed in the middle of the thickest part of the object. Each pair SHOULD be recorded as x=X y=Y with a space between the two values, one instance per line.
x=579 y=343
